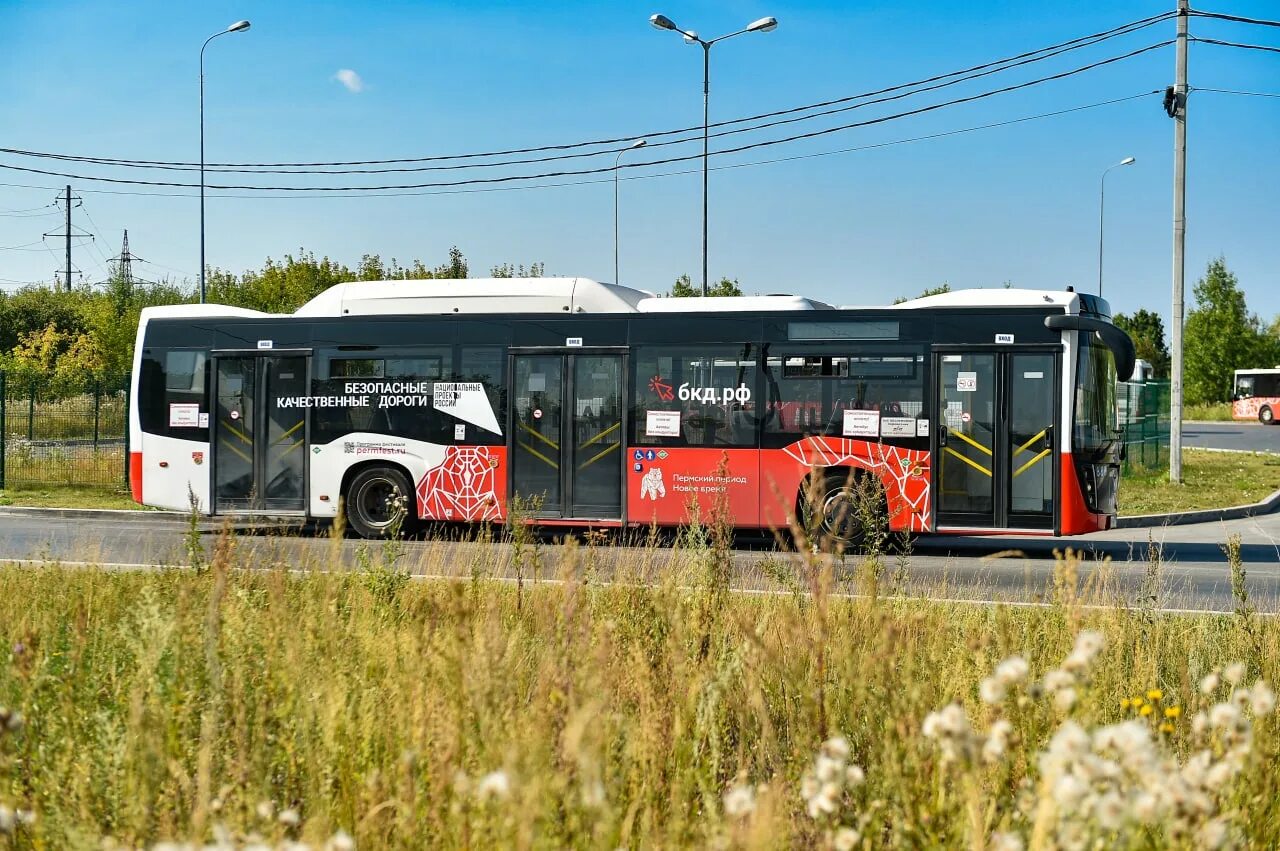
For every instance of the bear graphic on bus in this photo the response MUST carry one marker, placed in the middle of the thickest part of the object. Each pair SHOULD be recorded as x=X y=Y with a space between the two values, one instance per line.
x=651 y=485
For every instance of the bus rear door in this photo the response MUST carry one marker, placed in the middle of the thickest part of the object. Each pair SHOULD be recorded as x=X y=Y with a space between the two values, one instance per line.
x=259 y=433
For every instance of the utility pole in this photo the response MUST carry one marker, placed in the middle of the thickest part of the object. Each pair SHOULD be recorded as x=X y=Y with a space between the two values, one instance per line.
x=1179 y=114
x=67 y=199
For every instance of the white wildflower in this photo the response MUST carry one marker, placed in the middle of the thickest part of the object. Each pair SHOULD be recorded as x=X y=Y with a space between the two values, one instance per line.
x=992 y=691
x=1012 y=671
x=997 y=742
x=1235 y=673
x=845 y=839
x=1006 y=842
x=1213 y=834
x=340 y=841
x=1224 y=716
x=1058 y=679
x=1200 y=724
x=265 y=810
x=1262 y=699
x=495 y=784
x=1064 y=699
x=6 y=820
x=826 y=769
x=1210 y=683
x=739 y=801
x=837 y=747
x=1219 y=775
x=290 y=818
x=1109 y=811
x=854 y=776
x=25 y=818
x=1069 y=791
x=1146 y=808
x=593 y=795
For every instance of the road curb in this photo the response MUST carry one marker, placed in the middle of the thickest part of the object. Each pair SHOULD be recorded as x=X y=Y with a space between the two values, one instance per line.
x=92 y=514
x=1204 y=515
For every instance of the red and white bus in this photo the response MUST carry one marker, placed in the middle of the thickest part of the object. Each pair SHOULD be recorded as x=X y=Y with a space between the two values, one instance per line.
x=1256 y=395
x=978 y=411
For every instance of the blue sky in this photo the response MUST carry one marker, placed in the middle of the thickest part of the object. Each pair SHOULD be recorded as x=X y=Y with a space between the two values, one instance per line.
x=1016 y=203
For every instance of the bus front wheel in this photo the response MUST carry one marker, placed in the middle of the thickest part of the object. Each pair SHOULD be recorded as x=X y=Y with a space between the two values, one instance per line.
x=379 y=502
x=1266 y=416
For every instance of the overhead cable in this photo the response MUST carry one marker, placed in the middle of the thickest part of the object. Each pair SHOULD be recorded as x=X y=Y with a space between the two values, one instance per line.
x=647 y=164
x=984 y=69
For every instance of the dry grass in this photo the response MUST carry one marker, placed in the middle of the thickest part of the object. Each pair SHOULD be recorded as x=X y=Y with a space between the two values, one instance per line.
x=477 y=713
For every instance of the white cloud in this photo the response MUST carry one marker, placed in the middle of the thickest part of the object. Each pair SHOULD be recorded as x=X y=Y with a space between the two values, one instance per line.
x=350 y=79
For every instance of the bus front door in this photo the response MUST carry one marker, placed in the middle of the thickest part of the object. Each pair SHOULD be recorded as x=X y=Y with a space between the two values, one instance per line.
x=259 y=439
x=567 y=434
x=994 y=442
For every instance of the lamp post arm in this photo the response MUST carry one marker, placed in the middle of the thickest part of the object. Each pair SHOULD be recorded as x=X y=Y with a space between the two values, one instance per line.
x=729 y=35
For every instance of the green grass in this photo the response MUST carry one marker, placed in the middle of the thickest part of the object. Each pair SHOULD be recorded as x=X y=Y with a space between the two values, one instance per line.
x=159 y=705
x=1209 y=480
x=1210 y=412
x=68 y=496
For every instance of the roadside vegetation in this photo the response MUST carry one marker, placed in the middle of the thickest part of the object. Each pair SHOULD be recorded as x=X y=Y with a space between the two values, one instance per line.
x=1209 y=480
x=69 y=496
x=275 y=703
x=1215 y=412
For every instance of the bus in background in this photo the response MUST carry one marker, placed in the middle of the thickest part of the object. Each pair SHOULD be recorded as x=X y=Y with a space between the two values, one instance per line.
x=1256 y=395
x=977 y=411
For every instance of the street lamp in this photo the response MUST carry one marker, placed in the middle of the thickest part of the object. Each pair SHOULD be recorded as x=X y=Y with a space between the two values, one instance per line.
x=237 y=27
x=662 y=22
x=1102 y=199
x=616 y=162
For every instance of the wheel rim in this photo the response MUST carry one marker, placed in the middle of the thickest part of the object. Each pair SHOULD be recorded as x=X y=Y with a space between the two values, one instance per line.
x=840 y=515
x=376 y=505
x=1266 y=415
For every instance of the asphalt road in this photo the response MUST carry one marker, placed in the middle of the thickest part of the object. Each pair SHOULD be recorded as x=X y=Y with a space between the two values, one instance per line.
x=1254 y=437
x=1194 y=567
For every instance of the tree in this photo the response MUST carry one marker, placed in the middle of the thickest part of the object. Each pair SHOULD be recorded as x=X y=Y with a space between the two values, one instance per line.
x=684 y=288
x=1220 y=336
x=507 y=270
x=1147 y=330
x=938 y=290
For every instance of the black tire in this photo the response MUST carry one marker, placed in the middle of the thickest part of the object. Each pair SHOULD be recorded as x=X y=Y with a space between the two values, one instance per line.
x=1266 y=416
x=369 y=502
x=839 y=523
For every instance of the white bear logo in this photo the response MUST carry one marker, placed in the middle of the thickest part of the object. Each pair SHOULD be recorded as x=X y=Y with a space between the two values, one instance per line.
x=651 y=485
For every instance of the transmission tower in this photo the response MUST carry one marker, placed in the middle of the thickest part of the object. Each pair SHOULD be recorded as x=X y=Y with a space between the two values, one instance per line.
x=68 y=202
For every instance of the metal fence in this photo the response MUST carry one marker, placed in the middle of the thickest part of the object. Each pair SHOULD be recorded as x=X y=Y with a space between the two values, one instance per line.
x=64 y=432
x=1143 y=409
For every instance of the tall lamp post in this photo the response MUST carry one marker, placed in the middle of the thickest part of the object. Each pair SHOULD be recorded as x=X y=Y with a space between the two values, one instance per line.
x=237 y=27
x=616 y=163
x=1102 y=200
x=662 y=22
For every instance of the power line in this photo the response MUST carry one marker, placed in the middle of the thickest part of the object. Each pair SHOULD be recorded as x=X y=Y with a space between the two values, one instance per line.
x=650 y=176
x=975 y=71
x=1236 y=18
x=1236 y=44
x=1234 y=92
x=23 y=247
x=551 y=175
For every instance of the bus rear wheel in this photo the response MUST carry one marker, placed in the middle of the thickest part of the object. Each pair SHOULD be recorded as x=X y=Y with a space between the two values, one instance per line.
x=1266 y=416
x=379 y=501
x=842 y=509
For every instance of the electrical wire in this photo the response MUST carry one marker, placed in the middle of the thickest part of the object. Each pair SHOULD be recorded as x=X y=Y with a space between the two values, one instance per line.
x=595 y=181
x=1236 y=18
x=984 y=68
x=1234 y=92
x=551 y=175
x=1236 y=44
x=23 y=247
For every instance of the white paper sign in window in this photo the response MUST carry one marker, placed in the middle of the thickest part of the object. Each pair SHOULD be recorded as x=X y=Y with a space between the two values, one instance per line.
x=922 y=428
x=861 y=423
x=898 y=426
x=184 y=415
x=662 y=423
x=966 y=382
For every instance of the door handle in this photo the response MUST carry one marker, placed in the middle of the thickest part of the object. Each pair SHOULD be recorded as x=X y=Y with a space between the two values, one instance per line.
x=942 y=435
x=1048 y=438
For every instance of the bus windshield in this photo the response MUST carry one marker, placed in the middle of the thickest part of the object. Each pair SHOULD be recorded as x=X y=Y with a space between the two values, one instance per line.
x=1095 y=408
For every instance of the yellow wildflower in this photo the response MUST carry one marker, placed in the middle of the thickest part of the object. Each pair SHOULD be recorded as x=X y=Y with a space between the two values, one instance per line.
x=1173 y=712
x=1124 y=703
x=1155 y=694
x=1137 y=701
x=1146 y=710
x=1166 y=727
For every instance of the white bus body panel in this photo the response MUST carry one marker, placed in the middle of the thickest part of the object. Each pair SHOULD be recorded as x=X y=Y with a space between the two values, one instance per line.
x=472 y=296
x=330 y=462
x=173 y=470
